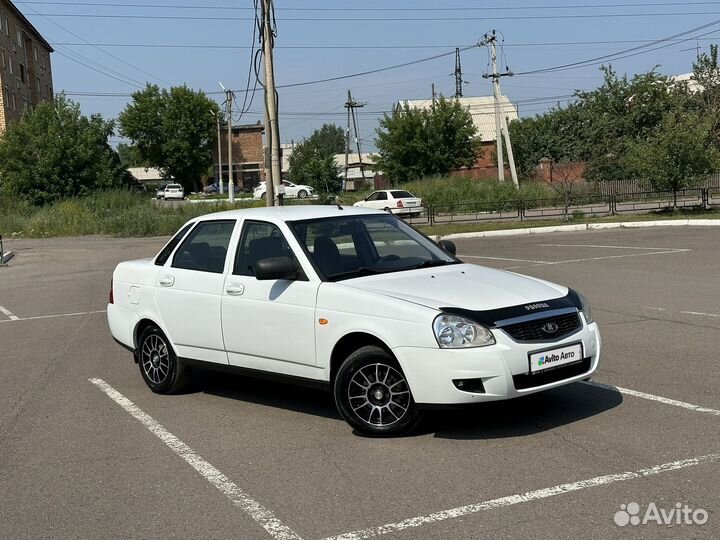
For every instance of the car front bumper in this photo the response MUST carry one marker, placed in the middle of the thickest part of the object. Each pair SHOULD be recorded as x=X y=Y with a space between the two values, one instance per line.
x=503 y=369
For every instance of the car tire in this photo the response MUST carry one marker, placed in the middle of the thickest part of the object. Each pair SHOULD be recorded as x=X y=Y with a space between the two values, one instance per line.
x=387 y=209
x=373 y=375
x=159 y=366
x=302 y=194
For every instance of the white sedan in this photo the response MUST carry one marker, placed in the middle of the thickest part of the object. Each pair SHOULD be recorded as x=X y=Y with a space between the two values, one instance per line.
x=173 y=192
x=291 y=190
x=353 y=300
x=396 y=201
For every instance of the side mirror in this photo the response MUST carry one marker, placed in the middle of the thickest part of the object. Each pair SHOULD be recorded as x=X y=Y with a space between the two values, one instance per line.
x=448 y=246
x=276 y=268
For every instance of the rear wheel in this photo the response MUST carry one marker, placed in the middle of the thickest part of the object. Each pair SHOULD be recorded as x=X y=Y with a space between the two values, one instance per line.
x=302 y=194
x=373 y=396
x=159 y=366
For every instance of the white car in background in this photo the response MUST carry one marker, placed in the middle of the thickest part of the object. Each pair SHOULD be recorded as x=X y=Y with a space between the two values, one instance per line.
x=353 y=300
x=397 y=201
x=291 y=190
x=174 y=192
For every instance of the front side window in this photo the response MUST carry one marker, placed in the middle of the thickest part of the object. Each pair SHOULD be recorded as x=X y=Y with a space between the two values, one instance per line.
x=259 y=240
x=205 y=248
x=344 y=248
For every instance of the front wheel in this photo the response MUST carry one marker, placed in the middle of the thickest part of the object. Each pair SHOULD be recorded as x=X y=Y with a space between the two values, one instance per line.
x=373 y=396
x=159 y=366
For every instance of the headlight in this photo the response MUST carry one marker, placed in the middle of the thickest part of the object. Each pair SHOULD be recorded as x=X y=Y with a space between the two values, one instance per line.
x=453 y=332
x=587 y=312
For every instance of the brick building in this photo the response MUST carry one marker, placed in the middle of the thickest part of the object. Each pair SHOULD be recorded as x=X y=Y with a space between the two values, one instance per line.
x=248 y=162
x=25 y=72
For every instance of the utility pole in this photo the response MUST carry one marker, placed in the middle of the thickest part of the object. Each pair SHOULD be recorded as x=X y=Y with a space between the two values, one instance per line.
x=229 y=97
x=347 y=148
x=458 y=75
x=271 y=102
x=434 y=95
x=351 y=105
x=219 y=143
x=500 y=121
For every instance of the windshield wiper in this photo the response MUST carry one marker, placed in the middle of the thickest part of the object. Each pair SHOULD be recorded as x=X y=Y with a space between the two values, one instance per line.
x=358 y=272
x=429 y=264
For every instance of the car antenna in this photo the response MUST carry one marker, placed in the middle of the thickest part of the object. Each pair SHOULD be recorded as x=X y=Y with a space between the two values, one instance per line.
x=337 y=203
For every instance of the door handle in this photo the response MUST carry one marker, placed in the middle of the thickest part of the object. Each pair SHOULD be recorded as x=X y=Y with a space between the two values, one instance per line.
x=235 y=289
x=166 y=281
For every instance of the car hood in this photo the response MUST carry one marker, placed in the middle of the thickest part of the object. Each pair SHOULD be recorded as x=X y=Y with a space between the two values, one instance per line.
x=465 y=286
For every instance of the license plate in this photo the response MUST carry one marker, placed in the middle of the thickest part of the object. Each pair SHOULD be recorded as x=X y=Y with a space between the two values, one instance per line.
x=552 y=358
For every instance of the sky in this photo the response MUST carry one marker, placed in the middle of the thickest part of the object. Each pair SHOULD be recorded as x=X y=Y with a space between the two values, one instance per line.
x=106 y=49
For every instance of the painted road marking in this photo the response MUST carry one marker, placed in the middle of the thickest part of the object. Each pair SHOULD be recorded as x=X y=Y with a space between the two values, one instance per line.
x=19 y=319
x=510 y=500
x=651 y=397
x=715 y=315
x=237 y=496
x=9 y=314
x=605 y=257
x=610 y=247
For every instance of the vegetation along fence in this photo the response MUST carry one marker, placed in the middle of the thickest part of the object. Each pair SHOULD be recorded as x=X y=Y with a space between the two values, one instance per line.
x=640 y=202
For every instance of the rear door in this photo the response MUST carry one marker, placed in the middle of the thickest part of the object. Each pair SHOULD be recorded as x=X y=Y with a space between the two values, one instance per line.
x=189 y=291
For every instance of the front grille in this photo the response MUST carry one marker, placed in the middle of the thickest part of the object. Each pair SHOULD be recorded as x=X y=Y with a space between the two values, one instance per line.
x=532 y=380
x=533 y=330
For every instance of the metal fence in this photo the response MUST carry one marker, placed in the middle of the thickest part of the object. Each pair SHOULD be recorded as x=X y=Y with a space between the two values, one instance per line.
x=641 y=202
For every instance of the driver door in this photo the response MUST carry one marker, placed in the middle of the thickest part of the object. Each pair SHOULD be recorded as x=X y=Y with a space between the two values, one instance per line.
x=268 y=325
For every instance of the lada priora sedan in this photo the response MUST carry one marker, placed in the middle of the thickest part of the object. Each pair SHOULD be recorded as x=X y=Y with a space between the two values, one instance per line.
x=352 y=299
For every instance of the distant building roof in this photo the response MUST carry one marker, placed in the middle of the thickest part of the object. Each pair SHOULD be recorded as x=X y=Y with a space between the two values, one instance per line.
x=689 y=78
x=481 y=108
x=29 y=26
x=146 y=174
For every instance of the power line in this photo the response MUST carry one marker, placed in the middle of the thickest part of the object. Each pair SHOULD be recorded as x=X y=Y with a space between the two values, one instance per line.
x=373 y=9
x=382 y=19
x=46 y=17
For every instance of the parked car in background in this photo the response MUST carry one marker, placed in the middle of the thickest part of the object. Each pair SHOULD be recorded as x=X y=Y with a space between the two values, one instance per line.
x=211 y=189
x=291 y=190
x=174 y=192
x=351 y=299
x=397 y=201
x=160 y=193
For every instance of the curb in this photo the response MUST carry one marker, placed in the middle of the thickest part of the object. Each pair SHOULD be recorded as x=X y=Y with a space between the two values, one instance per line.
x=585 y=227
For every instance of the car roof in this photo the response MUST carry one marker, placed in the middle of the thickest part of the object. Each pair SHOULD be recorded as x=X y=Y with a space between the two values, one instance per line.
x=292 y=213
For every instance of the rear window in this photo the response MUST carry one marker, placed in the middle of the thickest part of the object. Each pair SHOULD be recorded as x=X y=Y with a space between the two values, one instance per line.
x=205 y=248
x=400 y=194
x=174 y=186
x=164 y=254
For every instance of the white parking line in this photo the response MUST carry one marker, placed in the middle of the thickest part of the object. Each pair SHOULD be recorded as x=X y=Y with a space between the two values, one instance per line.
x=237 y=496
x=611 y=247
x=13 y=318
x=714 y=315
x=605 y=257
x=510 y=500
x=660 y=399
x=9 y=314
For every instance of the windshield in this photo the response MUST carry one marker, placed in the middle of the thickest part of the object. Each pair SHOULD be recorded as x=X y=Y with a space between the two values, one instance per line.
x=354 y=246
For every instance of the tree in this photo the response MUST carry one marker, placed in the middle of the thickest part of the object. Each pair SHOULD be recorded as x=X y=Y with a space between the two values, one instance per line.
x=329 y=139
x=413 y=143
x=129 y=156
x=173 y=130
x=315 y=166
x=706 y=73
x=677 y=155
x=55 y=152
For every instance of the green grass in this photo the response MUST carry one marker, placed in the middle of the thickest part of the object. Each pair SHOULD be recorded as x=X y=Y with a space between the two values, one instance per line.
x=115 y=213
x=124 y=213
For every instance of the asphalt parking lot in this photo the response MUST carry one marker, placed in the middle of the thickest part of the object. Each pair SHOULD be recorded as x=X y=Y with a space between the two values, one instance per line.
x=87 y=451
